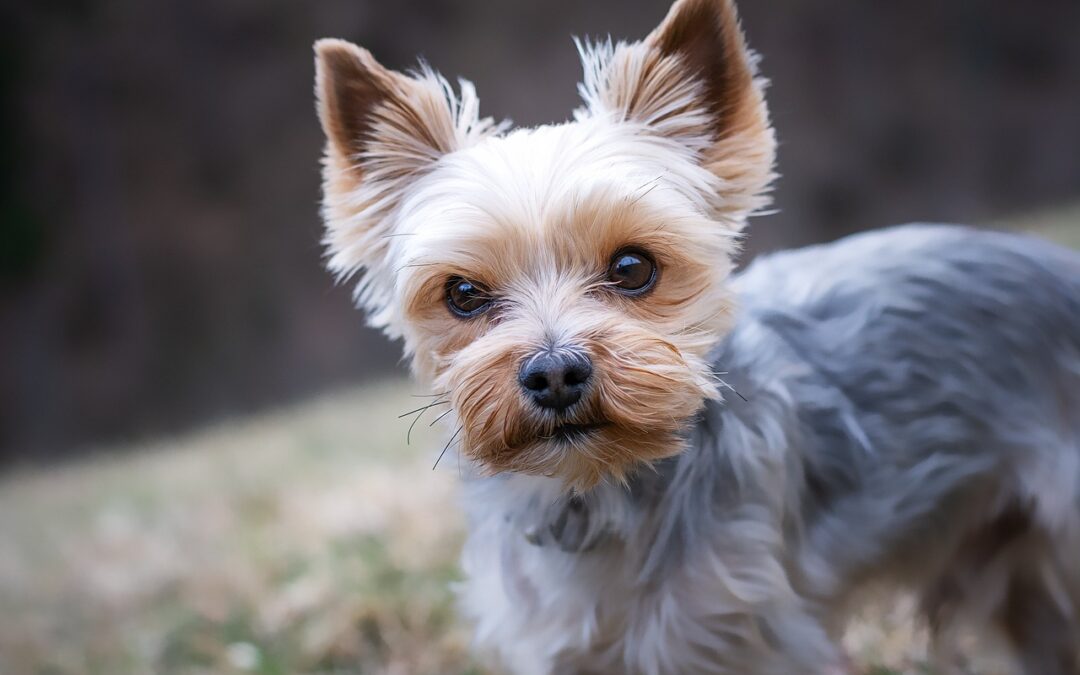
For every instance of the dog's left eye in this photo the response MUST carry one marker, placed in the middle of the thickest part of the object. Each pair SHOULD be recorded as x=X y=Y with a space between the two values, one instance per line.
x=631 y=272
x=466 y=298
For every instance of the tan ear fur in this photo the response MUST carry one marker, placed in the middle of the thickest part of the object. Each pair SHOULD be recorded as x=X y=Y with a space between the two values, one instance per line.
x=372 y=114
x=705 y=35
x=349 y=84
x=694 y=80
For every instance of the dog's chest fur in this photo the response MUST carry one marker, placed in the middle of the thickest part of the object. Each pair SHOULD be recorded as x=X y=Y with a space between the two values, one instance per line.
x=875 y=424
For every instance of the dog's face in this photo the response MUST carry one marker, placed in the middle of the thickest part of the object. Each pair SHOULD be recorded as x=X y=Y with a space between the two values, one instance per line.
x=560 y=286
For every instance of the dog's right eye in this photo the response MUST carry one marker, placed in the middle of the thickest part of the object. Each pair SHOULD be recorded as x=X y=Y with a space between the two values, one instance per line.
x=465 y=298
x=632 y=272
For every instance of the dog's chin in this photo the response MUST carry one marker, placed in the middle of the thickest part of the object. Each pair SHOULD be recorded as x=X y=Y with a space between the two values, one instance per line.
x=583 y=454
x=573 y=433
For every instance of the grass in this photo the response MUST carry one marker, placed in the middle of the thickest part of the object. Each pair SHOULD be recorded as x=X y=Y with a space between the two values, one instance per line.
x=280 y=544
x=306 y=540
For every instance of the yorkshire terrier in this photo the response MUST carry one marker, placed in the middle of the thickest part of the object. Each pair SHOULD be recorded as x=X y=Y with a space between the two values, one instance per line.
x=673 y=469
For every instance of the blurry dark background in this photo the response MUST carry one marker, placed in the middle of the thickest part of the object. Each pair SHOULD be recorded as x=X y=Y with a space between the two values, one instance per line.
x=159 y=237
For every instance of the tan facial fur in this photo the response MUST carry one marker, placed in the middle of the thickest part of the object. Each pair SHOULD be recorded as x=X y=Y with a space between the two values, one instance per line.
x=669 y=155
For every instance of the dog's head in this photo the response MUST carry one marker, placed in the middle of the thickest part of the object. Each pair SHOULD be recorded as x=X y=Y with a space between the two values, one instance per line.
x=562 y=284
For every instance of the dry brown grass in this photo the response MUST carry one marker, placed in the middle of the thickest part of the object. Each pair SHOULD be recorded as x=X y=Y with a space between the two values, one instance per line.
x=310 y=540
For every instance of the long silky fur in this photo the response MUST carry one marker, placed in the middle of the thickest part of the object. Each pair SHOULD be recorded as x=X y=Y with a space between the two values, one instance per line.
x=908 y=408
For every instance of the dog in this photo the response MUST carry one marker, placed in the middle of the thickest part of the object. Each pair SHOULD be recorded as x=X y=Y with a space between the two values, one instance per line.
x=669 y=467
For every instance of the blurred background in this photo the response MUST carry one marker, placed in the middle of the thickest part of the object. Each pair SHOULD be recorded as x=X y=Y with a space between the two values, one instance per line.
x=160 y=271
x=159 y=235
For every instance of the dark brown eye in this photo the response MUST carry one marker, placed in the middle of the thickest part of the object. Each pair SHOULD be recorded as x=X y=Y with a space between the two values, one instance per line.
x=466 y=298
x=632 y=272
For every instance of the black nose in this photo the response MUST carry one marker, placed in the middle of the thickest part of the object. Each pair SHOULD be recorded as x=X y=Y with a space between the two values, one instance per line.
x=555 y=379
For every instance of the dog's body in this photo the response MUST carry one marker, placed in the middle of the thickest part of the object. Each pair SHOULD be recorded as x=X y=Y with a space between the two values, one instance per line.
x=901 y=408
x=911 y=417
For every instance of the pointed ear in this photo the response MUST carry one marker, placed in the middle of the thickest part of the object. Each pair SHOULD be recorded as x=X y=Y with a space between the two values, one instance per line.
x=370 y=113
x=693 y=80
x=705 y=36
x=349 y=84
x=383 y=130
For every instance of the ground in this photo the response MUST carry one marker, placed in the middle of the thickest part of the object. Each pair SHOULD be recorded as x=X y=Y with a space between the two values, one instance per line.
x=310 y=539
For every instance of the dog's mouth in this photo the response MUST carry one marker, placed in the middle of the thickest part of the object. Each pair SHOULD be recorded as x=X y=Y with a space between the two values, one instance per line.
x=574 y=432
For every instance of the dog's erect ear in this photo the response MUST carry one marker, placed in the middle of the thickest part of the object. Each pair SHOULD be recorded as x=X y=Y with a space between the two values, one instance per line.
x=349 y=84
x=693 y=80
x=374 y=115
x=705 y=36
x=384 y=130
